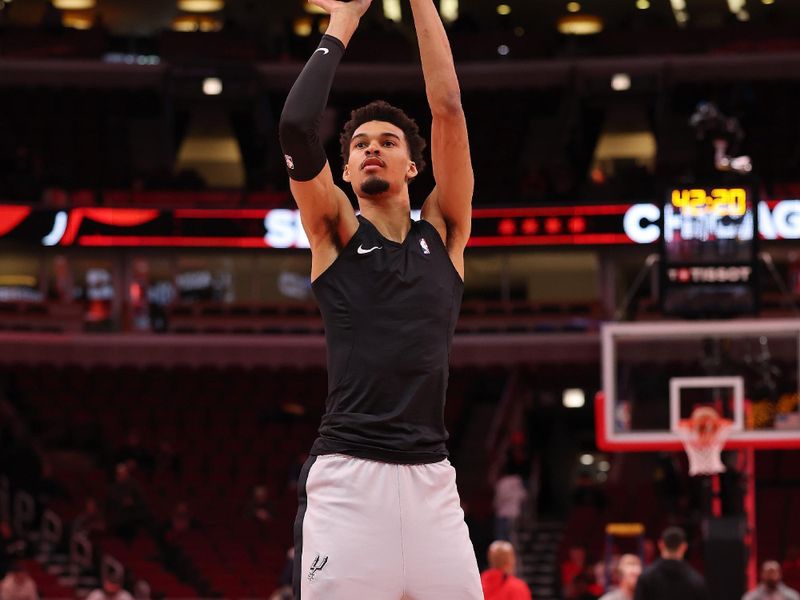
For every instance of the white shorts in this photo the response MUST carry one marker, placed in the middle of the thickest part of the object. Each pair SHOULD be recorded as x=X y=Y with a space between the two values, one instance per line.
x=368 y=530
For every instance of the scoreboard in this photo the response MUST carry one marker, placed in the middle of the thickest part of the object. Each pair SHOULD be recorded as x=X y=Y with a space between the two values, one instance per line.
x=709 y=250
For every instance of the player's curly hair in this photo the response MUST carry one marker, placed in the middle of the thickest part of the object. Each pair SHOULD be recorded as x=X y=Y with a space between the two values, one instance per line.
x=383 y=111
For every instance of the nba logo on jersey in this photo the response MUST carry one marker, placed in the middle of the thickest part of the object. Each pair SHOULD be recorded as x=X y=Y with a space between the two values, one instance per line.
x=289 y=162
x=424 y=244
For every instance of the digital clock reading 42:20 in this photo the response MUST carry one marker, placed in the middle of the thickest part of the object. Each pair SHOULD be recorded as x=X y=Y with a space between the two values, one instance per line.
x=719 y=202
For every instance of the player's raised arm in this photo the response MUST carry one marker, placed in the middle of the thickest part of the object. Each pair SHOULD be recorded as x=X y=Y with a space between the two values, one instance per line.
x=451 y=201
x=321 y=202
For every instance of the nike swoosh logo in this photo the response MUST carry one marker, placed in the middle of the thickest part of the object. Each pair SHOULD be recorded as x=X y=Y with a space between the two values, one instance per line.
x=323 y=50
x=362 y=250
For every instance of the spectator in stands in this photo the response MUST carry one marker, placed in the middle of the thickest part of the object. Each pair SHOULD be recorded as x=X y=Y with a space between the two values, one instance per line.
x=498 y=581
x=509 y=494
x=284 y=592
x=125 y=507
x=649 y=550
x=135 y=454
x=581 y=587
x=574 y=565
x=142 y=591
x=111 y=590
x=670 y=577
x=180 y=521
x=259 y=506
x=10 y=547
x=771 y=587
x=18 y=585
x=598 y=580
x=90 y=519
x=628 y=570
x=6 y=536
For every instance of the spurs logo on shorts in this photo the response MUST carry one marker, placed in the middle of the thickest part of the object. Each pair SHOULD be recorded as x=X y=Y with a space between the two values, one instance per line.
x=318 y=564
x=289 y=161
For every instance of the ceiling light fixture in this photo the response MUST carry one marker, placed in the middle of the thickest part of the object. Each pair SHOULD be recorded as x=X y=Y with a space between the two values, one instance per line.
x=392 y=10
x=189 y=23
x=642 y=4
x=207 y=23
x=621 y=82
x=184 y=24
x=73 y=4
x=580 y=25
x=303 y=26
x=201 y=6
x=77 y=19
x=574 y=7
x=503 y=9
x=679 y=12
x=573 y=398
x=449 y=10
x=212 y=86
x=736 y=6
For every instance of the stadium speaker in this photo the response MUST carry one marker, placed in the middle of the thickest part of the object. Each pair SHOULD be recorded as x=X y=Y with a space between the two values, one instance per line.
x=725 y=556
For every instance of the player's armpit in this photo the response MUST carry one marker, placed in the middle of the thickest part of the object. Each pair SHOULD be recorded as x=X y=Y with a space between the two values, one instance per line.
x=453 y=241
x=325 y=210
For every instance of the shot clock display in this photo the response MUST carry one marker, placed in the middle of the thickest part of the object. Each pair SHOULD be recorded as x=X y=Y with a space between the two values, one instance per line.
x=709 y=250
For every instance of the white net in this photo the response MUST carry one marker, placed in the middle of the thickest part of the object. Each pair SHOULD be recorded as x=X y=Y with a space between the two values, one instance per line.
x=704 y=436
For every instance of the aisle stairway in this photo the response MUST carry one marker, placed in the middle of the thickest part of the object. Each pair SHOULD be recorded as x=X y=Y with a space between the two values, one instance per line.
x=537 y=563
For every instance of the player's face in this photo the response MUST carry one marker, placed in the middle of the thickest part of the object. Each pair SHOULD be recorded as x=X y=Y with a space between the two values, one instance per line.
x=379 y=160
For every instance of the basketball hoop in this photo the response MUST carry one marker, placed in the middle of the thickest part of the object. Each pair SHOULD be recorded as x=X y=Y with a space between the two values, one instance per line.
x=704 y=435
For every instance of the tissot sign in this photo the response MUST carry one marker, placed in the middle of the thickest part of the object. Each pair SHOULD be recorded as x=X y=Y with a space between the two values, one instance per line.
x=554 y=226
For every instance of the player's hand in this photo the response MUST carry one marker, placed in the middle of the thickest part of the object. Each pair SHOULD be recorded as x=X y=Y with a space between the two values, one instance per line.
x=355 y=8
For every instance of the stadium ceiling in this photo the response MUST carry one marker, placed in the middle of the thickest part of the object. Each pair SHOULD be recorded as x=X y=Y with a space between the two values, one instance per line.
x=145 y=17
x=547 y=12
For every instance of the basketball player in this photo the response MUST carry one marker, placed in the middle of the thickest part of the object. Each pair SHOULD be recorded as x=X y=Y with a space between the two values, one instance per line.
x=379 y=515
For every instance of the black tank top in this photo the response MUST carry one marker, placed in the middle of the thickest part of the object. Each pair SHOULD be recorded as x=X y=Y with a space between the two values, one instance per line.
x=390 y=311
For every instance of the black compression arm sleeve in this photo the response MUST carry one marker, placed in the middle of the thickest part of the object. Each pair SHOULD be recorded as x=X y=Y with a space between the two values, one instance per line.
x=302 y=113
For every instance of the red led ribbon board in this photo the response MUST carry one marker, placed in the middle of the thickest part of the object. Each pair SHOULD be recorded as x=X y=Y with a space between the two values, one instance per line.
x=279 y=228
